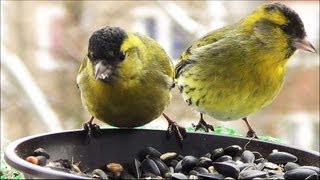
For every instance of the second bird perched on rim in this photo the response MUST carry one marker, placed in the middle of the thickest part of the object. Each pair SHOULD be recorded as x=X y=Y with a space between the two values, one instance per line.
x=235 y=71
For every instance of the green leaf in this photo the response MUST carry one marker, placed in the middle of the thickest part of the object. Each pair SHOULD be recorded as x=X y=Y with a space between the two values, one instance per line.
x=7 y=172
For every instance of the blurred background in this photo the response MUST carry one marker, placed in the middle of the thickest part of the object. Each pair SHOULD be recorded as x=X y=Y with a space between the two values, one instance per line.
x=43 y=43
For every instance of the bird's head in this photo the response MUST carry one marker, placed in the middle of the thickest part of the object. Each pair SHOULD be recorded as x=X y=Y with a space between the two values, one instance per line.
x=285 y=19
x=104 y=51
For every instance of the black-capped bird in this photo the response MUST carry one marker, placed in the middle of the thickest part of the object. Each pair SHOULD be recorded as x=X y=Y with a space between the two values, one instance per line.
x=125 y=79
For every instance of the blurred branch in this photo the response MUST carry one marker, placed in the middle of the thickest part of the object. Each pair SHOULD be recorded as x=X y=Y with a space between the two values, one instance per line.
x=19 y=71
x=181 y=18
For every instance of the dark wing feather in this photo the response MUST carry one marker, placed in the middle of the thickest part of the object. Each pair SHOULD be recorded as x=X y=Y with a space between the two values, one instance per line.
x=180 y=67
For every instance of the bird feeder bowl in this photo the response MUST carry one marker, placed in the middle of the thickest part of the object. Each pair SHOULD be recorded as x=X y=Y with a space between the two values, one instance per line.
x=121 y=145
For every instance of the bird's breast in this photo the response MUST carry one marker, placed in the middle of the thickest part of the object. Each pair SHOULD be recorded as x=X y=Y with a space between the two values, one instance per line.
x=232 y=94
x=125 y=103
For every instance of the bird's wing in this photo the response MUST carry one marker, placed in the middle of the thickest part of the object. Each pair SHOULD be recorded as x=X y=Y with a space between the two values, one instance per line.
x=181 y=66
x=83 y=64
x=81 y=69
x=209 y=38
x=157 y=59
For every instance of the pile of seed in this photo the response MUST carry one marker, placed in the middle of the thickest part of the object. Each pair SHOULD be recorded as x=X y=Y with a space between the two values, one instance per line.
x=231 y=162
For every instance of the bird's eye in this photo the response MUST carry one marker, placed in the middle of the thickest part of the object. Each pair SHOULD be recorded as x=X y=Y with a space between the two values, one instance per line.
x=122 y=55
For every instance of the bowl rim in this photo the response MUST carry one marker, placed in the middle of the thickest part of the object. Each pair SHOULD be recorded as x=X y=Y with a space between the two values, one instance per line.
x=11 y=157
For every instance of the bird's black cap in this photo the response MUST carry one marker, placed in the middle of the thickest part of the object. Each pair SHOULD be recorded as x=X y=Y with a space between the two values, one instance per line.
x=105 y=43
x=294 y=27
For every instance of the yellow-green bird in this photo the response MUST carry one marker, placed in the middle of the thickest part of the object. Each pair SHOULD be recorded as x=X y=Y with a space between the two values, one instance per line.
x=125 y=79
x=235 y=71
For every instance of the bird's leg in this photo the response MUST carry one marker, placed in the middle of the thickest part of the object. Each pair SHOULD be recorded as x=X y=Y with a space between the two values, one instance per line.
x=179 y=131
x=203 y=125
x=91 y=129
x=251 y=133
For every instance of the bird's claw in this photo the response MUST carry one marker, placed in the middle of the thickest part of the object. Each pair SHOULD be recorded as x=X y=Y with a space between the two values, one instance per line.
x=173 y=127
x=203 y=125
x=92 y=130
x=180 y=132
x=252 y=134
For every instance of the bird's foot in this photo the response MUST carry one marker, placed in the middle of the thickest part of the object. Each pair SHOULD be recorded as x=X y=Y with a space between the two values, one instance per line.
x=91 y=129
x=179 y=131
x=203 y=125
x=252 y=134
x=173 y=127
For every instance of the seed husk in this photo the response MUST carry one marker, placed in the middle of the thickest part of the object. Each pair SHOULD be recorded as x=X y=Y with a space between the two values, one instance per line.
x=32 y=159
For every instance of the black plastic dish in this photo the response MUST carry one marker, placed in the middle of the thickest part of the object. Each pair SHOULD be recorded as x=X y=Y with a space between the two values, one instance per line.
x=121 y=145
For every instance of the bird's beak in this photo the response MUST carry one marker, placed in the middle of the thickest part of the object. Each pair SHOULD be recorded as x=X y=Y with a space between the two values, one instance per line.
x=102 y=71
x=304 y=44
